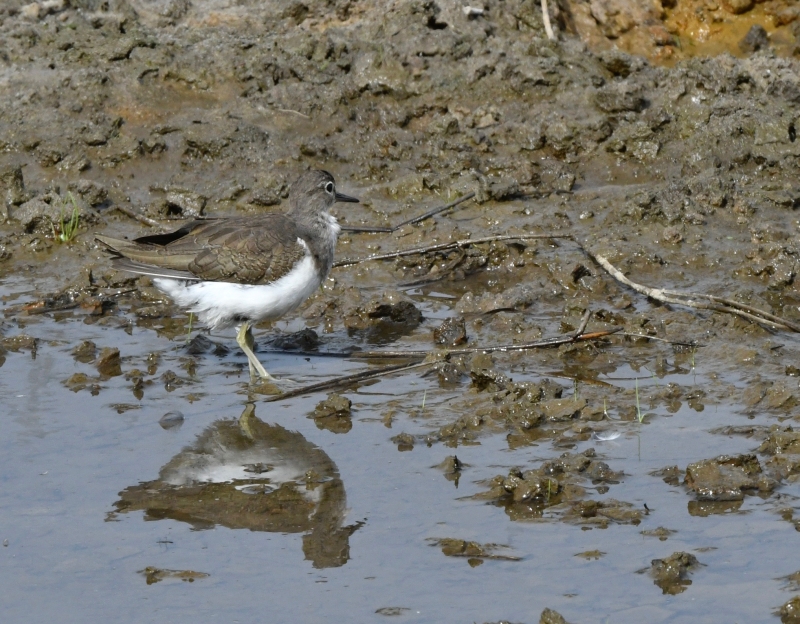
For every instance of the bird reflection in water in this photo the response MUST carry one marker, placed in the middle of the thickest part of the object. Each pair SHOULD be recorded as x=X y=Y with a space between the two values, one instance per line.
x=247 y=474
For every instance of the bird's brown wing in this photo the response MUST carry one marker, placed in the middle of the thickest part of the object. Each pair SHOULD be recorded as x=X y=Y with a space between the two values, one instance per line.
x=246 y=250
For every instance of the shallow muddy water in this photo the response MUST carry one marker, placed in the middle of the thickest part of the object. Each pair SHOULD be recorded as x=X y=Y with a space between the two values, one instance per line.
x=649 y=474
x=67 y=458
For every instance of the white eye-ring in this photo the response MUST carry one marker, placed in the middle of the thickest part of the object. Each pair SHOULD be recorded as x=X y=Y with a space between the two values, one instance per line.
x=329 y=187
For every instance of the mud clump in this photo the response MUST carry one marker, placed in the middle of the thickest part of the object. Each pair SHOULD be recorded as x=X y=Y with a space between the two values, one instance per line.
x=451 y=333
x=334 y=414
x=108 y=363
x=671 y=574
x=784 y=446
x=474 y=552
x=85 y=352
x=558 y=486
x=549 y=616
x=304 y=340
x=727 y=478
x=790 y=611
x=404 y=441
x=155 y=575
x=381 y=320
x=201 y=345
x=452 y=467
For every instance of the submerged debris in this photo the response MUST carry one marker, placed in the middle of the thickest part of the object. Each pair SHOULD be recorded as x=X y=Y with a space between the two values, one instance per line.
x=154 y=575
x=474 y=552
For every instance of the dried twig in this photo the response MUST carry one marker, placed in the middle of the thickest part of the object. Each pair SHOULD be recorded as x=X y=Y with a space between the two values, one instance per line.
x=698 y=300
x=134 y=214
x=292 y=112
x=674 y=343
x=546 y=343
x=547 y=27
x=451 y=245
x=422 y=217
x=346 y=380
x=431 y=357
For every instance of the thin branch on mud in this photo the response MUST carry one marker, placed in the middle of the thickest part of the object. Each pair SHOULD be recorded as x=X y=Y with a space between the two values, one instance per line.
x=346 y=380
x=432 y=357
x=674 y=343
x=451 y=245
x=693 y=300
x=547 y=26
x=134 y=214
x=293 y=112
x=584 y=323
x=422 y=217
x=546 y=343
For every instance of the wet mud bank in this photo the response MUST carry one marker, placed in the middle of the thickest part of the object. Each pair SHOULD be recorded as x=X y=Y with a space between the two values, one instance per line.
x=560 y=464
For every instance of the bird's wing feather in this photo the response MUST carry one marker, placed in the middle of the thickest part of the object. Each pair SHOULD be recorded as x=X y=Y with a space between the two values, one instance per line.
x=245 y=250
x=254 y=252
x=131 y=266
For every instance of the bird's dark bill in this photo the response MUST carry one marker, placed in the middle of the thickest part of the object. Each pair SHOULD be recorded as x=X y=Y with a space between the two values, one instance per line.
x=341 y=197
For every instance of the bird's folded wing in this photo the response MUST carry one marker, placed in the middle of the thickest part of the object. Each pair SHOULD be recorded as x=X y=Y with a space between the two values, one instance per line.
x=258 y=253
x=240 y=249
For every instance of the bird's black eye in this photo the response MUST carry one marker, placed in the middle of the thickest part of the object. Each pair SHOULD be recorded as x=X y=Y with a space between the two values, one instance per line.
x=329 y=187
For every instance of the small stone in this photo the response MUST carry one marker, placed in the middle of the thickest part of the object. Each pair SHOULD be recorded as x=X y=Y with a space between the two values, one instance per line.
x=334 y=414
x=85 y=352
x=551 y=617
x=790 y=611
x=737 y=6
x=171 y=420
x=404 y=442
x=31 y=11
x=756 y=39
x=108 y=362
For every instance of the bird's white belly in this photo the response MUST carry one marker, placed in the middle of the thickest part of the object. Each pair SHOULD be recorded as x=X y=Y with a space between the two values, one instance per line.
x=222 y=304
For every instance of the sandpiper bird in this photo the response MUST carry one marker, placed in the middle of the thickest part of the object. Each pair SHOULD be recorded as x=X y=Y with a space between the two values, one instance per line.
x=237 y=271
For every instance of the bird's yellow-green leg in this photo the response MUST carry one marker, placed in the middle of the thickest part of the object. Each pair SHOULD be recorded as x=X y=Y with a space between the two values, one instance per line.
x=244 y=338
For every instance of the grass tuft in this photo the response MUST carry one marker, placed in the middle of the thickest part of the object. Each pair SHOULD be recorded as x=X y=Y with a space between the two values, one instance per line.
x=68 y=229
